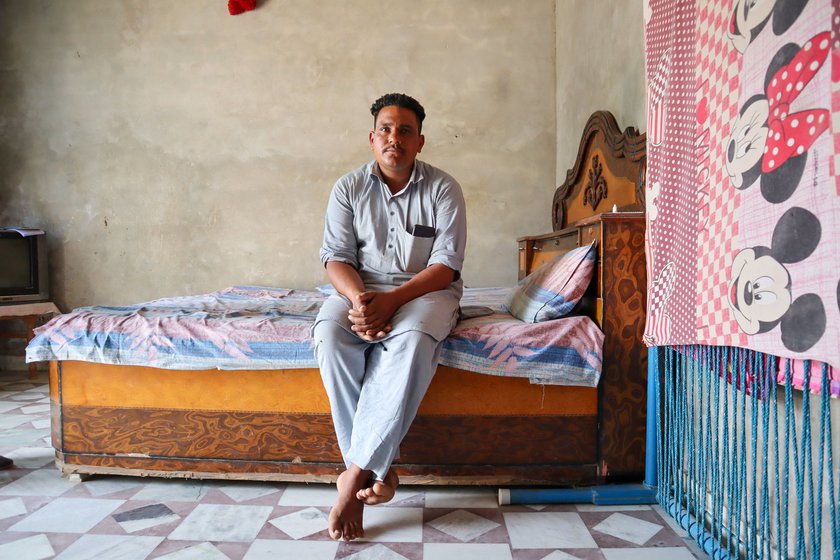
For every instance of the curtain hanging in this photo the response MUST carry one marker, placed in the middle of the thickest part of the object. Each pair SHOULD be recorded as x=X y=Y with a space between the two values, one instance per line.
x=743 y=178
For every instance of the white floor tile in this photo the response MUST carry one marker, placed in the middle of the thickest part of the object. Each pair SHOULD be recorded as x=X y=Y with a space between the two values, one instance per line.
x=23 y=437
x=41 y=424
x=264 y=549
x=6 y=406
x=669 y=553
x=593 y=507
x=8 y=421
x=35 y=547
x=203 y=551
x=64 y=515
x=376 y=552
x=547 y=530
x=560 y=555
x=463 y=525
x=393 y=524
x=102 y=486
x=445 y=551
x=44 y=482
x=405 y=493
x=302 y=523
x=318 y=495
x=222 y=523
x=35 y=409
x=27 y=396
x=670 y=521
x=173 y=491
x=246 y=491
x=98 y=547
x=625 y=527
x=32 y=457
x=11 y=508
x=461 y=498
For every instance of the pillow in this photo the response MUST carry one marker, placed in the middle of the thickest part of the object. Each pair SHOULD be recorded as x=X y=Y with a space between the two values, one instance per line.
x=553 y=290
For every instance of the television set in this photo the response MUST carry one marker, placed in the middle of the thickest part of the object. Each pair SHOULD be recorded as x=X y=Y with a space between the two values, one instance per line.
x=23 y=266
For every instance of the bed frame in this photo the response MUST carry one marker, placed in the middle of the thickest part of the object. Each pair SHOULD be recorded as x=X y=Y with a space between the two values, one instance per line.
x=471 y=428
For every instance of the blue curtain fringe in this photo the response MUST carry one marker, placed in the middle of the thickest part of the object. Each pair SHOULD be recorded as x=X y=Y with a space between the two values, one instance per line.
x=745 y=464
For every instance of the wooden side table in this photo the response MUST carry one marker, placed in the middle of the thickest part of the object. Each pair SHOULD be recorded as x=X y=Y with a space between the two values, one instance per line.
x=28 y=313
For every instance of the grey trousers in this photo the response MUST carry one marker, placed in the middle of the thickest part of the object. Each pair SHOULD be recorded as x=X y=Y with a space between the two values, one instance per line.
x=375 y=389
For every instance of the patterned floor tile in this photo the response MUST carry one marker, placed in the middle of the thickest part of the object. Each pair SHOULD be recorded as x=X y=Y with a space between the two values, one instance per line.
x=44 y=482
x=647 y=554
x=376 y=552
x=32 y=457
x=12 y=508
x=43 y=515
x=548 y=530
x=393 y=524
x=461 y=498
x=35 y=547
x=97 y=547
x=463 y=525
x=203 y=551
x=144 y=517
x=173 y=490
x=302 y=523
x=274 y=549
x=108 y=485
x=308 y=495
x=446 y=551
x=245 y=491
x=212 y=522
x=64 y=515
x=628 y=528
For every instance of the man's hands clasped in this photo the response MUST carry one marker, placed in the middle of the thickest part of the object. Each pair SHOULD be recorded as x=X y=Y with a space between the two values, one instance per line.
x=371 y=314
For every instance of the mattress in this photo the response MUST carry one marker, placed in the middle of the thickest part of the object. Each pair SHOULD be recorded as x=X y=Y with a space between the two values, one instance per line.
x=263 y=328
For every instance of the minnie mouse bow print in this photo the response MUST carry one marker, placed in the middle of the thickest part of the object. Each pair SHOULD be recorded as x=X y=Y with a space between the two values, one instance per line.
x=767 y=140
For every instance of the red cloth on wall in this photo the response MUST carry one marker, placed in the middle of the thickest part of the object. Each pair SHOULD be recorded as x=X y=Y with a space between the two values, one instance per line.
x=236 y=7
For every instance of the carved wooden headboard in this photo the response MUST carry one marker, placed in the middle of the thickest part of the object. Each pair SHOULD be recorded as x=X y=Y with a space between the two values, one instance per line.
x=609 y=170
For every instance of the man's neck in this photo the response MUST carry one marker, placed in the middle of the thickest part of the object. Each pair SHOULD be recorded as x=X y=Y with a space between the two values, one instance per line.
x=395 y=181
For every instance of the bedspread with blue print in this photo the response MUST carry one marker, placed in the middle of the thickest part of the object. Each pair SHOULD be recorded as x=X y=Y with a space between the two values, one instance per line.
x=249 y=327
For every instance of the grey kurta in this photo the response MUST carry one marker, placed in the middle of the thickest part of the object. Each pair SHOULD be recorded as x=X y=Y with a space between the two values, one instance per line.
x=376 y=387
x=371 y=229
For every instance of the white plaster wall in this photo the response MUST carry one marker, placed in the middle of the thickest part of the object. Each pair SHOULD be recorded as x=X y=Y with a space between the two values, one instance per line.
x=169 y=148
x=600 y=65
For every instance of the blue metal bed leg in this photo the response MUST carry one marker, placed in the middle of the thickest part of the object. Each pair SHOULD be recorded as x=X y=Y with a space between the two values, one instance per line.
x=607 y=494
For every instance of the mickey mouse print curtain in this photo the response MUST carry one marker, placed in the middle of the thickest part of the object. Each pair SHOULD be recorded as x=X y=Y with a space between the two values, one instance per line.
x=743 y=177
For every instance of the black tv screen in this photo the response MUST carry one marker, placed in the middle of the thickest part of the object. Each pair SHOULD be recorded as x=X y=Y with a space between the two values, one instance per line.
x=23 y=266
x=16 y=256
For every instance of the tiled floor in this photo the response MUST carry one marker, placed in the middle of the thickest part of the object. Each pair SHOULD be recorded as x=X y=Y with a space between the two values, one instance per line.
x=45 y=516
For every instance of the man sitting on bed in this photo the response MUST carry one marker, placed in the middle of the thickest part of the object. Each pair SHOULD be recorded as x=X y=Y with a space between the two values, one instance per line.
x=393 y=248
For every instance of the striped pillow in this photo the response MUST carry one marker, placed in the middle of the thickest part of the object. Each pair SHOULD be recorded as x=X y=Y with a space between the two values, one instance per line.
x=553 y=290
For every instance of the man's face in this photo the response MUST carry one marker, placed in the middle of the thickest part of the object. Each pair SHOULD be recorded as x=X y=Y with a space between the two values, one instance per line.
x=396 y=139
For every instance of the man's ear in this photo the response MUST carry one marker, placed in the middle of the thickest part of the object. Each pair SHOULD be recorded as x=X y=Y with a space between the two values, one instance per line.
x=370 y=139
x=422 y=141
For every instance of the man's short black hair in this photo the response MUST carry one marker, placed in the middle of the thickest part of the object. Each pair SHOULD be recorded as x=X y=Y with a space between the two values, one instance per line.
x=399 y=100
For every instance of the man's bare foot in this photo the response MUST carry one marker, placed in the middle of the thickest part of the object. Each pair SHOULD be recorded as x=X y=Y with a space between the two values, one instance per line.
x=345 y=519
x=380 y=491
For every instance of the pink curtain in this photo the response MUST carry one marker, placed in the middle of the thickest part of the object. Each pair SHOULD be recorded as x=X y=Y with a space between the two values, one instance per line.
x=743 y=177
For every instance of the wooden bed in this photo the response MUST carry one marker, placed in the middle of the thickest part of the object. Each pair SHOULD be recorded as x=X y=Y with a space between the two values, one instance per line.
x=471 y=428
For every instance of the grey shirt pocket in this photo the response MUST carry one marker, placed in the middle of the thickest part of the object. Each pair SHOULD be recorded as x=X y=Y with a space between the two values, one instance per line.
x=416 y=252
